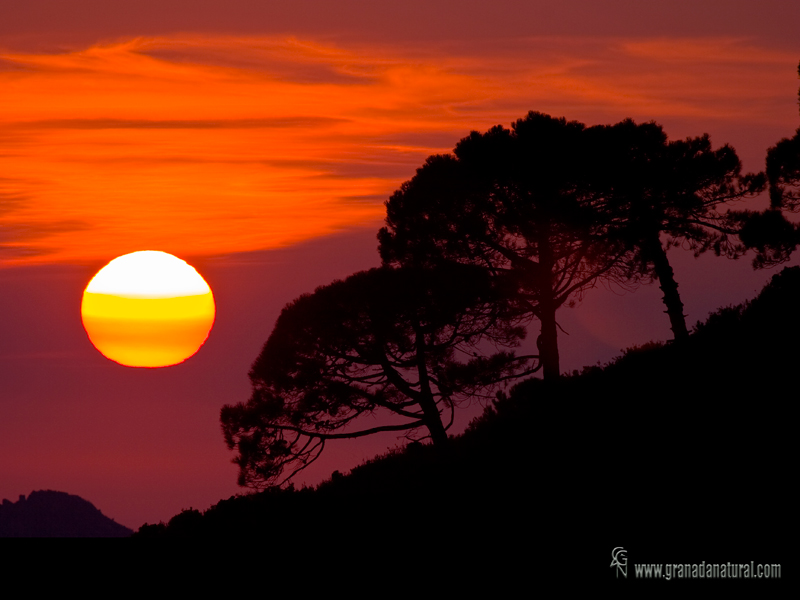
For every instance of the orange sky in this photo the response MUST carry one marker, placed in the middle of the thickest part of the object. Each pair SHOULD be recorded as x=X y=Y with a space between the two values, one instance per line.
x=206 y=145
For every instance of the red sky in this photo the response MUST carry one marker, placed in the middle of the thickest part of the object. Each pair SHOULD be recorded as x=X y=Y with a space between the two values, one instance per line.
x=258 y=141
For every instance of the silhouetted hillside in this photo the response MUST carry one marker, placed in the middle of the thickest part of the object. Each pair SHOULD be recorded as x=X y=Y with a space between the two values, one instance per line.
x=46 y=513
x=684 y=446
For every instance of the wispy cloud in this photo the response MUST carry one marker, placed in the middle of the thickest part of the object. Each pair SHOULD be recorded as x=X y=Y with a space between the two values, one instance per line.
x=214 y=145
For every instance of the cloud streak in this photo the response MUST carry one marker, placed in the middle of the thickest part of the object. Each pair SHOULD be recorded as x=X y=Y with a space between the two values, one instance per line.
x=178 y=123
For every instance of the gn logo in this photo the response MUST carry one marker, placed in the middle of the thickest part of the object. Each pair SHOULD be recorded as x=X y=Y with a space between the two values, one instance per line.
x=619 y=559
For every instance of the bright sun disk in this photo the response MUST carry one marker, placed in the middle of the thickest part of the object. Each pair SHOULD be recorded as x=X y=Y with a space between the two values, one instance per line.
x=148 y=309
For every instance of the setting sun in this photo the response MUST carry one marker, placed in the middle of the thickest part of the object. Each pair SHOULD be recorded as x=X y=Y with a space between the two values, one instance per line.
x=147 y=309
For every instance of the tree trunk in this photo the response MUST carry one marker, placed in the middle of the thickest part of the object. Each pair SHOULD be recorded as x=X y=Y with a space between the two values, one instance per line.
x=668 y=285
x=433 y=420
x=548 y=339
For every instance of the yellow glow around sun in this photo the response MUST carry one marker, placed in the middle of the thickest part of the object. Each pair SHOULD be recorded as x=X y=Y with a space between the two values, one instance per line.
x=147 y=309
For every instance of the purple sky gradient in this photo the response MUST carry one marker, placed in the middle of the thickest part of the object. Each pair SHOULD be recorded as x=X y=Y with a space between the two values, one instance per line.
x=143 y=444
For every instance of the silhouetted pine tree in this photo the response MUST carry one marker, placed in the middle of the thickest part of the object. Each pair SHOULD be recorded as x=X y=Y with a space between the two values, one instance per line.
x=666 y=194
x=783 y=172
x=401 y=342
x=511 y=202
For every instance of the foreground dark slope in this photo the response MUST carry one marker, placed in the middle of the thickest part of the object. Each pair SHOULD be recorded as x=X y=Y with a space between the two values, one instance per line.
x=682 y=445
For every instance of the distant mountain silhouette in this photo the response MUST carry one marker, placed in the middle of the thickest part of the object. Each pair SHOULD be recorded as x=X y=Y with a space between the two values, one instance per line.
x=46 y=513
